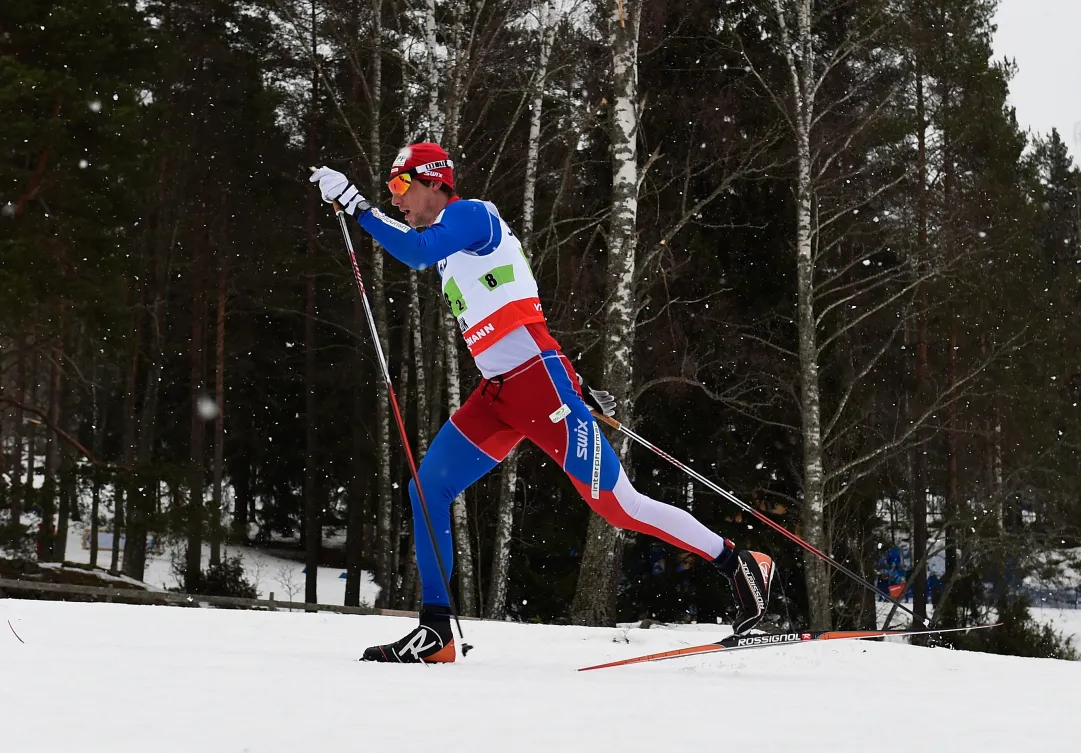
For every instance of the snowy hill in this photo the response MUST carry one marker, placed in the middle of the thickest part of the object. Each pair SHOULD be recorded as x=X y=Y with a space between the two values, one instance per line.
x=117 y=678
x=269 y=574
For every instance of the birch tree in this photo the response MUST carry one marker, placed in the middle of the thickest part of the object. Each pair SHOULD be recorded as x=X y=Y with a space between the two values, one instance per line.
x=594 y=597
x=193 y=556
x=547 y=21
x=799 y=52
x=385 y=506
x=216 y=531
x=312 y=518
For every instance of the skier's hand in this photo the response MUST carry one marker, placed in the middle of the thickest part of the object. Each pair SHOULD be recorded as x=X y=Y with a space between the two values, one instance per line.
x=600 y=400
x=335 y=187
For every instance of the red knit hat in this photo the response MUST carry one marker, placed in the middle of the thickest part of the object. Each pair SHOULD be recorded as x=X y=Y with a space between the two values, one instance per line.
x=430 y=160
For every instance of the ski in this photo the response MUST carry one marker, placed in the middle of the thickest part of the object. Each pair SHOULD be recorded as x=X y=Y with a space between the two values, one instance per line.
x=767 y=640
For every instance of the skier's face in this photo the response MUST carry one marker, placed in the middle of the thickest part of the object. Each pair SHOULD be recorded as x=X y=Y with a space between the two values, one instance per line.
x=420 y=203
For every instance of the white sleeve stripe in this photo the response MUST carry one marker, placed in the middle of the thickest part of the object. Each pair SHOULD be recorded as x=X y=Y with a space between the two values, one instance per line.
x=389 y=222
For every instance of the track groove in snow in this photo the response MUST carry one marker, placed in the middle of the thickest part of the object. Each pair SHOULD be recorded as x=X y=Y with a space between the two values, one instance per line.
x=119 y=678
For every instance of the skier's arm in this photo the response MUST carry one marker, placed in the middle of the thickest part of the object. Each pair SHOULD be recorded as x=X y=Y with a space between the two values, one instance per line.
x=465 y=226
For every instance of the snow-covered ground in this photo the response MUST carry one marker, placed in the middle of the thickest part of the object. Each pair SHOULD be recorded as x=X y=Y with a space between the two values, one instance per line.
x=1065 y=621
x=270 y=574
x=119 y=678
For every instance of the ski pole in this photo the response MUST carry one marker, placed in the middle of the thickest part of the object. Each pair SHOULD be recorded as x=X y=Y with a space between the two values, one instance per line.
x=747 y=508
x=398 y=416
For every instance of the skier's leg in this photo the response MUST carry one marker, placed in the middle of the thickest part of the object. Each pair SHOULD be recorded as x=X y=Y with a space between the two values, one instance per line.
x=467 y=447
x=530 y=401
x=543 y=400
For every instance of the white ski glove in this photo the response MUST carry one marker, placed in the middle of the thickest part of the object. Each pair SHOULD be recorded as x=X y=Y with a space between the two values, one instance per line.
x=601 y=400
x=334 y=186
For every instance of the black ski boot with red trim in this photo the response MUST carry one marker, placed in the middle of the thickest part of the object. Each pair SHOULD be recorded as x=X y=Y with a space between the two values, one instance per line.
x=431 y=642
x=751 y=576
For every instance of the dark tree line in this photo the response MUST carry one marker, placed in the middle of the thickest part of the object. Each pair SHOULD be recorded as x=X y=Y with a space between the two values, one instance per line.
x=840 y=280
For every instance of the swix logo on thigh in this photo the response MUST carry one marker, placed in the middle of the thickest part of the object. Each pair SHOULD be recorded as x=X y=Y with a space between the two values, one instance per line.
x=582 y=433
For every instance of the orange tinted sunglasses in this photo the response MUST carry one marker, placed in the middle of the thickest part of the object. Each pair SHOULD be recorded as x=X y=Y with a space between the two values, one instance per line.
x=401 y=182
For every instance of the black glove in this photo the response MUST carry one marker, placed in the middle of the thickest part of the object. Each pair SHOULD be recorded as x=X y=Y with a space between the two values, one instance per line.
x=600 y=400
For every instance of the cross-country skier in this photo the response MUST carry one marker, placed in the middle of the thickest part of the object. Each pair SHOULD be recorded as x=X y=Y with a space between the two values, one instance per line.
x=529 y=390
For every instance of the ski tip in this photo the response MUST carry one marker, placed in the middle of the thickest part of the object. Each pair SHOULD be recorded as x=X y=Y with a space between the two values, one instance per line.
x=466 y=648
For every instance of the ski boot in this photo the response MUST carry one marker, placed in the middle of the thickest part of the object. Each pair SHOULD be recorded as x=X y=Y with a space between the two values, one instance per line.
x=751 y=576
x=432 y=641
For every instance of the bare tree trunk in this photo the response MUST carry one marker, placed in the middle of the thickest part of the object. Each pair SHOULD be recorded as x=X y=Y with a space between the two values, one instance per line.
x=545 y=37
x=135 y=544
x=799 y=52
x=98 y=421
x=66 y=487
x=118 y=528
x=402 y=511
x=595 y=595
x=358 y=488
x=813 y=514
x=996 y=463
x=139 y=435
x=5 y=387
x=409 y=571
x=919 y=491
x=946 y=612
x=496 y=609
x=193 y=561
x=433 y=71
x=952 y=539
x=313 y=532
x=19 y=439
x=29 y=494
x=66 y=475
x=497 y=588
x=354 y=529
x=384 y=523
x=919 y=481
x=385 y=518
x=219 y=424
x=47 y=500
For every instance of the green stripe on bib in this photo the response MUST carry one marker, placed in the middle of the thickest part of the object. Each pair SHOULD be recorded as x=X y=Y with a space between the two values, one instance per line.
x=498 y=276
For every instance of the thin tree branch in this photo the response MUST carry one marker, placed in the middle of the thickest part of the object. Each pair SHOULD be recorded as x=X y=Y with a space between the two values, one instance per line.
x=62 y=433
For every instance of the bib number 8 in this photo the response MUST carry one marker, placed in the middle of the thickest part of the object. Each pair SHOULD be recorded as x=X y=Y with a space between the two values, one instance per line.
x=498 y=276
